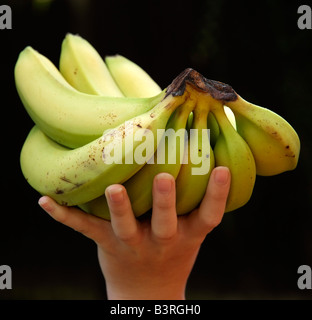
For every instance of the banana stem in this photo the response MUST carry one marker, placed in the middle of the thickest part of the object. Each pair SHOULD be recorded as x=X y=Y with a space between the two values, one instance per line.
x=239 y=105
x=222 y=119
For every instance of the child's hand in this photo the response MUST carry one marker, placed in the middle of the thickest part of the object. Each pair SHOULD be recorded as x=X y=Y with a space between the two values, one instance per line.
x=152 y=258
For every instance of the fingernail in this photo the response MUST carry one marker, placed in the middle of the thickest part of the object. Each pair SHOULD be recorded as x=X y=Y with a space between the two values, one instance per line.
x=221 y=175
x=163 y=184
x=115 y=193
x=44 y=204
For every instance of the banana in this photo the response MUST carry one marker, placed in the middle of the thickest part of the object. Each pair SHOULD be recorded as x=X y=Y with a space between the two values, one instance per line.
x=145 y=87
x=87 y=105
x=189 y=121
x=230 y=115
x=84 y=69
x=132 y=80
x=70 y=117
x=232 y=151
x=192 y=179
x=167 y=158
x=273 y=141
x=73 y=177
x=213 y=125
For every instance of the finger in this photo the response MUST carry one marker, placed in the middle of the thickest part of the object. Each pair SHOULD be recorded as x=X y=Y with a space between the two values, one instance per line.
x=210 y=212
x=90 y=226
x=164 y=216
x=124 y=223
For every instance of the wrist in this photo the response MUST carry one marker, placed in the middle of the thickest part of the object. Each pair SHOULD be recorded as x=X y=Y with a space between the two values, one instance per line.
x=166 y=292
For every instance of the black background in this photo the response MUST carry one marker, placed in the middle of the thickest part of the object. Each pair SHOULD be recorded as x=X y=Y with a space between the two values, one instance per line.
x=259 y=50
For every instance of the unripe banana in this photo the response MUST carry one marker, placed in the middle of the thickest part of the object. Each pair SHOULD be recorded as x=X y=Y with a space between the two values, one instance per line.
x=232 y=151
x=273 y=141
x=73 y=177
x=192 y=179
x=144 y=87
x=213 y=125
x=167 y=158
x=70 y=117
x=132 y=80
x=84 y=69
x=91 y=97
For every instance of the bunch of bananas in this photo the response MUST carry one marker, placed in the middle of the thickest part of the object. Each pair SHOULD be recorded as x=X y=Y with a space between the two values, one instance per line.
x=90 y=111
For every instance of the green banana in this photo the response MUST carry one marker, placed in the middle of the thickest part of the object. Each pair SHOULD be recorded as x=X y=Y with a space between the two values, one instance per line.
x=70 y=117
x=145 y=86
x=132 y=80
x=73 y=177
x=213 y=125
x=232 y=151
x=84 y=69
x=192 y=179
x=274 y=143
x=167 y=158
x=87 y=105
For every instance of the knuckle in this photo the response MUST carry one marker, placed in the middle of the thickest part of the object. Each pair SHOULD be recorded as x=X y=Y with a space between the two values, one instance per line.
x=214 y=222
x=165 y=236
x=129 y=238
x=120 y=209
x=211 y=222
x=164 y=203
x=165 y=231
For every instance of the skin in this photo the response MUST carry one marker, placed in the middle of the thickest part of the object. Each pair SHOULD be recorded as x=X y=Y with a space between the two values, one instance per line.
x=149 y=258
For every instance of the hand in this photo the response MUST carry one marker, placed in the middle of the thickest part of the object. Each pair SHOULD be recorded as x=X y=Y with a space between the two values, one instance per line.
x=148 y=258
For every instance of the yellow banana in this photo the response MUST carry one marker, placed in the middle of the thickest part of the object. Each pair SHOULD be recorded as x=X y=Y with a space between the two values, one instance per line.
x=193 y=177
x=230 y=115
x=70 y=117
x=232 y=151
x=144 y=86
x=167 y=158
x=84 y=69
x=132 y=80
x=88 y=97
x=77 y=176
x=274 y=143
x=213 y=125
